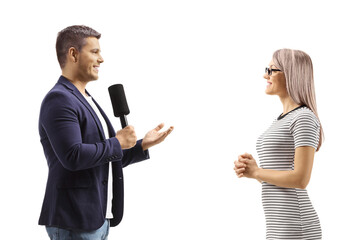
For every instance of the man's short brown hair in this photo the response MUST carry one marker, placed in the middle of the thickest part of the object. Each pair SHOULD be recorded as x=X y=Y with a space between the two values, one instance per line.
x=73 y=36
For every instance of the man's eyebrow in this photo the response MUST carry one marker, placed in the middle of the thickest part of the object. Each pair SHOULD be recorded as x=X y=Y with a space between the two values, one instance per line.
x=95 y=50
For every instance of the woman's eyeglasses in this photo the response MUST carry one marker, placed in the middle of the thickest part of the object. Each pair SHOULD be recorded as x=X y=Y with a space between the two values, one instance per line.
x=269 y=71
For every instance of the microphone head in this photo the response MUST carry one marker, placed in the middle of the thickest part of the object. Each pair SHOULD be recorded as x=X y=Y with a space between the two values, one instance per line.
x=118 y=100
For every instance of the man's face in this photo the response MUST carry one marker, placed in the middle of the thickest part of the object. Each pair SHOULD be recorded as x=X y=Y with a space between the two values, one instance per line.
x=90 y=59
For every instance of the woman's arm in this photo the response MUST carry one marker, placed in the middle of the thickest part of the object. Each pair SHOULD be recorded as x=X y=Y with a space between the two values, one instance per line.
x=297 y=178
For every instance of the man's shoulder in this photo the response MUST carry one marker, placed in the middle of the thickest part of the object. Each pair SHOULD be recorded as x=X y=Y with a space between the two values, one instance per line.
x=58 y=95
x=57 y=91
x=61 y=88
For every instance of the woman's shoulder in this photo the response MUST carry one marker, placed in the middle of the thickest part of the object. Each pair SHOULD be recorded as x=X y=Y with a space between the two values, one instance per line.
x=304 y=114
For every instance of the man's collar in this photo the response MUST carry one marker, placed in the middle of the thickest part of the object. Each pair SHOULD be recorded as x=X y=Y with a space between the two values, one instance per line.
x=63 y=80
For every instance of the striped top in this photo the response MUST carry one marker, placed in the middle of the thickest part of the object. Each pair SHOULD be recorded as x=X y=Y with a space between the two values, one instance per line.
x=288 y=211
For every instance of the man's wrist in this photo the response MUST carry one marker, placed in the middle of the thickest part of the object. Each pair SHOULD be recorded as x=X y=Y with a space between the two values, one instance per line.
x=144 y=145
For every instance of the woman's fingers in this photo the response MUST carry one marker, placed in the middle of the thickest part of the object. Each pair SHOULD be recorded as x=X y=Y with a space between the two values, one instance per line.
x=243 y=158
x=239 y=170
x=246 y=155
x=239 y=164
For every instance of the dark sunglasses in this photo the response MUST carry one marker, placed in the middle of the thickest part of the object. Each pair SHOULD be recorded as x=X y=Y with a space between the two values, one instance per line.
x=269 y=71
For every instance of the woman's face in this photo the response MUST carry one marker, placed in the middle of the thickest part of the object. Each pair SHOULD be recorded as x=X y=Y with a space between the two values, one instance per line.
x=276 y=82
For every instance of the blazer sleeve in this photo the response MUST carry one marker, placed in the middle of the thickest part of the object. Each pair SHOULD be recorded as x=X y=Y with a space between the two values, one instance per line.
x=134 y=154
x=60 y=121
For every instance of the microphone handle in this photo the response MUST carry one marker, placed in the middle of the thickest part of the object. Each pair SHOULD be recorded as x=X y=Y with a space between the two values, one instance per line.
x=123 y=121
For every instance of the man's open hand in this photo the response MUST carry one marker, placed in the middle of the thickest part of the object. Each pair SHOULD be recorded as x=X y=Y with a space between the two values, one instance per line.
x=154 y=137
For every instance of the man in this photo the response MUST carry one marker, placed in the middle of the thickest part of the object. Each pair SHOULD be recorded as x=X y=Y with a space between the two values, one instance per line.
x=84 y=192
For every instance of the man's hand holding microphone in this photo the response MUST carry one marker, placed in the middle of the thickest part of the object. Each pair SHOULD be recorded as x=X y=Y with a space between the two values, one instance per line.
x=127 y=136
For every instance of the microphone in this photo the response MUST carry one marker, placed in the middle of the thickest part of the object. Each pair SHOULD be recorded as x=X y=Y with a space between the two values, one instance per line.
x=119 y=104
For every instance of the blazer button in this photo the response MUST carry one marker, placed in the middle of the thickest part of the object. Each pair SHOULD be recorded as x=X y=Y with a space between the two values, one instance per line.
x=104 y=182
x=120 y=178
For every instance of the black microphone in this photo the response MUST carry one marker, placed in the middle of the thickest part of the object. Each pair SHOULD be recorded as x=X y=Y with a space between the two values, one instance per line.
x=118 y=101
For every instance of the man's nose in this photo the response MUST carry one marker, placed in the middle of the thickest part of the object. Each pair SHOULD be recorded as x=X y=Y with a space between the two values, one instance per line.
x=100 y=60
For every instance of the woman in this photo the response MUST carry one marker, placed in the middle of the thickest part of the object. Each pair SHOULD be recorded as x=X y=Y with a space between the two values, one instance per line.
x=286 y=150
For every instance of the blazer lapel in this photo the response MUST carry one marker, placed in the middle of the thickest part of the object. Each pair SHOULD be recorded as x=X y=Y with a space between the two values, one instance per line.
x=82 y=99
x=108 y=123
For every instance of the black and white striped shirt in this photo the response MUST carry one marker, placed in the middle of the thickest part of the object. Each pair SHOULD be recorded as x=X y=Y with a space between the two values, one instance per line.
x=288 y=211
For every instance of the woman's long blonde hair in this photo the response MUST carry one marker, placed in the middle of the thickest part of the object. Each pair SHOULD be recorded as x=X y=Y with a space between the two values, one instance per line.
x=298 y=69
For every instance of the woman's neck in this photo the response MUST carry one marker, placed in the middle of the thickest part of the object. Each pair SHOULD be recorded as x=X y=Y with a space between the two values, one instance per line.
x=288 y=104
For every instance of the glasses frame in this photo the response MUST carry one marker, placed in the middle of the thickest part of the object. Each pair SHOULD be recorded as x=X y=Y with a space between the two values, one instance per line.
x=270 y=70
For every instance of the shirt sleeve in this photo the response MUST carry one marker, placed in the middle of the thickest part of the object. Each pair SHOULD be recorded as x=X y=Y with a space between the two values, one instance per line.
x=305 y=129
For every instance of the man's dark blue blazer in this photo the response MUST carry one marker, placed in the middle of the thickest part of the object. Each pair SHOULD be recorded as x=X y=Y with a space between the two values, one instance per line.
x=78 y=157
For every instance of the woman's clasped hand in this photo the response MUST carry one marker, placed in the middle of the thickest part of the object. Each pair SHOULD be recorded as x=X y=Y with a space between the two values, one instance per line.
x=246 y=166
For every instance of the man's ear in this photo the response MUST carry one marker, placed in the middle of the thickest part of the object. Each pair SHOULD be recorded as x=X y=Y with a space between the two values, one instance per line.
x=73 y=54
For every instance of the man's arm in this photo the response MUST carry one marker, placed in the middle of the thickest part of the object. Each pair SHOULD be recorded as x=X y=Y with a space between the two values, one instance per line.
x=134 y=154
x=61 y=124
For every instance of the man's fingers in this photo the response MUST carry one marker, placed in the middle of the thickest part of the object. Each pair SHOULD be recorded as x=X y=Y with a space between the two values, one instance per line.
x=160 y=126
x=164 y=134
x=170 y=129
x=167 y=132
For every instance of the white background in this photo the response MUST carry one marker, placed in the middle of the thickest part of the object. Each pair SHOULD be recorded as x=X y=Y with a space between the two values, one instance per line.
x=196 y=65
